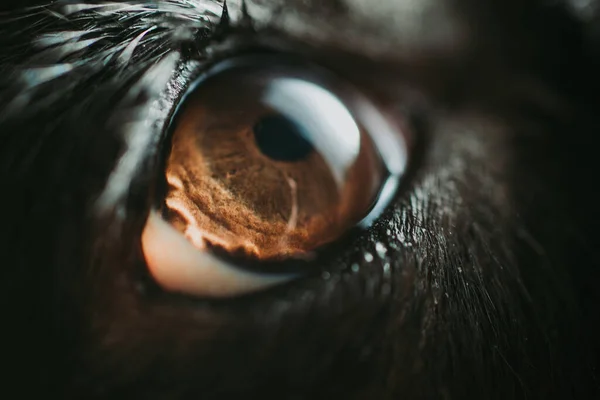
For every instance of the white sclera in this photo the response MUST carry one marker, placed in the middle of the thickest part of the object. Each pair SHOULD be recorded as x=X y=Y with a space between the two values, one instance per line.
x=177 y=266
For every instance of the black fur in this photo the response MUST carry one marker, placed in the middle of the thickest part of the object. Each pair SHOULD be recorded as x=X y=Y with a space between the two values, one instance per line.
x=487 y=285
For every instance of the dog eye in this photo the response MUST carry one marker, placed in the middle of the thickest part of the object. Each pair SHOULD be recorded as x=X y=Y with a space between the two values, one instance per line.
x=268 y=160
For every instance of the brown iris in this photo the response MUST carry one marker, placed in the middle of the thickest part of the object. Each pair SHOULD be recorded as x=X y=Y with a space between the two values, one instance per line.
x=268 y=162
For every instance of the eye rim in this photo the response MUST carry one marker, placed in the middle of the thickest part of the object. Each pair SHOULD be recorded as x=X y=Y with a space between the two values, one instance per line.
x=394 y=143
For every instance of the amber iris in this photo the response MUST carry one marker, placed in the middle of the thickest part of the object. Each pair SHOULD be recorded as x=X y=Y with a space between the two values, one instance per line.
x=268 y=162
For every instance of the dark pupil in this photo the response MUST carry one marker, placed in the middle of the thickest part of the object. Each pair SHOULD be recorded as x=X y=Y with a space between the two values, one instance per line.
x=282 y=139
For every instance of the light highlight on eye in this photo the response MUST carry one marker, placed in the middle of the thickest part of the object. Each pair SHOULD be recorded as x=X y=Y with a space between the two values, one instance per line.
x=318 y=111
x=268 y=161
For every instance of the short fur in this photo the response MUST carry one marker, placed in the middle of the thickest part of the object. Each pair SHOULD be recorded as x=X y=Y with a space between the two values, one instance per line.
x=484 y=271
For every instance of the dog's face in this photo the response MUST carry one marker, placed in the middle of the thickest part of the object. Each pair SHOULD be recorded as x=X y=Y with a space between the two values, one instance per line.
x=477 y=281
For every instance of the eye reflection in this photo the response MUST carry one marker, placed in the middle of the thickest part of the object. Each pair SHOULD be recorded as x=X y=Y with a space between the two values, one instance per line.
x=271 y=160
